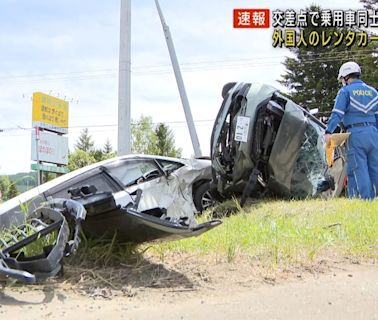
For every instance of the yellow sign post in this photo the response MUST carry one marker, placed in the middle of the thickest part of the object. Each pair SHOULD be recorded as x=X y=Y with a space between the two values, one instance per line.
x=50 y=113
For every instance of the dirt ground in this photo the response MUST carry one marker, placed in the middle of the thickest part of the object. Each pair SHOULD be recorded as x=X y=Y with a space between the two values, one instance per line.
x=196 y=288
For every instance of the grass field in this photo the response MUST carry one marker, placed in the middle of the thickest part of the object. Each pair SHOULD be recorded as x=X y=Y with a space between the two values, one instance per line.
x=270 y=234
x=264 y=237
x=273 y=232
x=290 y=232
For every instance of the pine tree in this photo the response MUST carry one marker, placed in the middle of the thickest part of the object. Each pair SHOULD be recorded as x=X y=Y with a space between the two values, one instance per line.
x=85 y=153
x=311 y=76
x=165 y=142
x=107 y=150
x=108 y=147
x=85 y=142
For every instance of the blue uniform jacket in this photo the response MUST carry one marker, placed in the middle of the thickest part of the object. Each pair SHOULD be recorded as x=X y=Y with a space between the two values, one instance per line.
x=355 y=103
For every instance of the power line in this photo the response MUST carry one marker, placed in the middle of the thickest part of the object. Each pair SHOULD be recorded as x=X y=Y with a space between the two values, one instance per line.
x=186 y=67
x=5 y=130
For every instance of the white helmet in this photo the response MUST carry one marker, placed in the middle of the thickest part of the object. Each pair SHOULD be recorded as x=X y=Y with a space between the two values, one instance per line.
x=348 y=68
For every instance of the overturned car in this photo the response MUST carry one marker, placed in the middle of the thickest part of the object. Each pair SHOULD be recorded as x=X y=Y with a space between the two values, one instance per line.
x=265 y=144
x=130 y=199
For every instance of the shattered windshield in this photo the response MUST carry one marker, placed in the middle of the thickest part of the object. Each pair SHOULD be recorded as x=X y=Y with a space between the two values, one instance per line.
x=310 y=167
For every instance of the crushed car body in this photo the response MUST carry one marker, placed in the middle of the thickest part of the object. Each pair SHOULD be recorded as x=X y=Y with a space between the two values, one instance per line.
x=265 y=144
x=130 y=199
x=34 y=250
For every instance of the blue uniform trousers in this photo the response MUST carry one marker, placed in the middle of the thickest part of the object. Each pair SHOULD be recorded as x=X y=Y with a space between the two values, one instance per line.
x=362 y=167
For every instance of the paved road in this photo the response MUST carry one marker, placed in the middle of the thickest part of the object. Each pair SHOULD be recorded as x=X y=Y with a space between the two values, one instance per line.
x=341 y=295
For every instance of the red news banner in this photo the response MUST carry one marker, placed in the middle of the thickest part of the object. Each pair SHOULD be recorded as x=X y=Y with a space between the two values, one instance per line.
x=251 y=18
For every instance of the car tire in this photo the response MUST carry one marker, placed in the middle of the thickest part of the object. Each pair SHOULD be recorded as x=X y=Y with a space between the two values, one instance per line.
x=202 y=197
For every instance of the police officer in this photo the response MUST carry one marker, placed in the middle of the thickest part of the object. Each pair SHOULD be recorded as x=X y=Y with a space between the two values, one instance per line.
x=356 y=105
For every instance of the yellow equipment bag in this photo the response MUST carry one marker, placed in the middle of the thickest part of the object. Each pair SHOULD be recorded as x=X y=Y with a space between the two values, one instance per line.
x=337 y=139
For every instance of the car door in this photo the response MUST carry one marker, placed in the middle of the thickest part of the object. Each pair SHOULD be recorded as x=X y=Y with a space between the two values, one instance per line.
x=93 y=177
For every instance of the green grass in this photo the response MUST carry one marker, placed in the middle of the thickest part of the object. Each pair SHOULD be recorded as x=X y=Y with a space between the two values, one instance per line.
x=17 y=233
x=267 y=236
x=13 y=235
x=290 y=232
x=274 y=233
x=103 y=253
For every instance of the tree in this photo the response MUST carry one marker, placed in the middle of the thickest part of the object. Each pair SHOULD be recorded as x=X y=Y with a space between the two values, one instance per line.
x=107 y=147
x=79 y=159
x=97 y=154
x=85 y=141
x=165 y=142
x=311 y=75
x=107 y=151
x=85 y=153
x=158 y=141
x=143 y=138
x=12 y=191
x=8 y=188
x=4 y=185
x=370 y=4
x=48 y=176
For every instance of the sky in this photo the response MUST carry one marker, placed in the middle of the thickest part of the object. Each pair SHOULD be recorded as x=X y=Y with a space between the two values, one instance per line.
x=70 y=49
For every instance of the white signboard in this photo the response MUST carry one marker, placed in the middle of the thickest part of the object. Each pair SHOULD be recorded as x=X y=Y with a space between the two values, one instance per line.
x=242 y=128
x=52 y=148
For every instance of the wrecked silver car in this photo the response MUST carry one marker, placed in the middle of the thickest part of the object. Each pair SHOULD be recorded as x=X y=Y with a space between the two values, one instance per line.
x=130 y=199
x=265 y=144
x=168 y=189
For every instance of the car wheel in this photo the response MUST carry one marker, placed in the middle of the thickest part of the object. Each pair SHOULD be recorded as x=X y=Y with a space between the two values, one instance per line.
x=202 y=197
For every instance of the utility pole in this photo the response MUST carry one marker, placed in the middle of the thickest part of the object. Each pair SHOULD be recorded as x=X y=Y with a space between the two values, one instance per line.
x=180 y=84
x=124 y=80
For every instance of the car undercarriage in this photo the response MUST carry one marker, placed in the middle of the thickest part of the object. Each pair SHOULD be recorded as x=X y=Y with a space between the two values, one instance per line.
x=263 y=143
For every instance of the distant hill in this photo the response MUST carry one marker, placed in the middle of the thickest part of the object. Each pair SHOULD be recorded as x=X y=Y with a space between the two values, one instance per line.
x=24 y=180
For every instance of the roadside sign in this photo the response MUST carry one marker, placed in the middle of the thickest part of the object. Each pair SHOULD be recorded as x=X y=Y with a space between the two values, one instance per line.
x=52 y=148
x=50 y=113
x=43 y=167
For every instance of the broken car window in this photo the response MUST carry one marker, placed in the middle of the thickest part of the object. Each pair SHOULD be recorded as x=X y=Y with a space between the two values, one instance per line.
x=135 y=172
x=310 y=167
x=98 y=180
x=170 y=166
